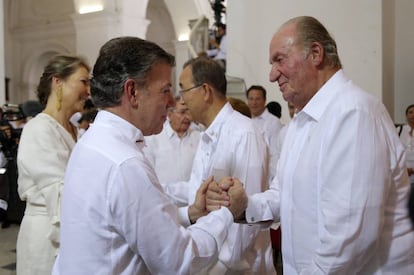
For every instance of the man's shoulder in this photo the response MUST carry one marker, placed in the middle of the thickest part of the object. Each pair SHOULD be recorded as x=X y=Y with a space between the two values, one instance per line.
x=241 y=126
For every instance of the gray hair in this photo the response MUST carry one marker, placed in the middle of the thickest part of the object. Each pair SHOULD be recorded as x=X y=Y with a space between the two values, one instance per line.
x=310 y=30
x=206 y=70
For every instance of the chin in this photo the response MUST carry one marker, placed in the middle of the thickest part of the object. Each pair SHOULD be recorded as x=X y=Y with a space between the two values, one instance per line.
x=157 y=131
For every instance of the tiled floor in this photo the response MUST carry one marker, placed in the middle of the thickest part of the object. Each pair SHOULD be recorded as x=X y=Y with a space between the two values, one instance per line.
x=8 y=237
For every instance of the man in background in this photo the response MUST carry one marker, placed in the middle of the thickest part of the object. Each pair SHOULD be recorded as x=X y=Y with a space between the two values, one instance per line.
x=172 y=151
x=269 y=124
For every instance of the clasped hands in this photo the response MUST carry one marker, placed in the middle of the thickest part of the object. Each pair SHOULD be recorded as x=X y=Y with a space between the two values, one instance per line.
x=212 y=195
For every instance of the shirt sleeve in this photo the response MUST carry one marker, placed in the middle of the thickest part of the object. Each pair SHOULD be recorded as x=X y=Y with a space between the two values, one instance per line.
x=265 y=206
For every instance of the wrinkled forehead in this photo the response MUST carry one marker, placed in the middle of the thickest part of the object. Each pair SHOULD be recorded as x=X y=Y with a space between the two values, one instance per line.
x=282 y=40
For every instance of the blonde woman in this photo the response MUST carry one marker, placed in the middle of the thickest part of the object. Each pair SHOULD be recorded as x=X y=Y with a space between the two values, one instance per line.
x=45 y=145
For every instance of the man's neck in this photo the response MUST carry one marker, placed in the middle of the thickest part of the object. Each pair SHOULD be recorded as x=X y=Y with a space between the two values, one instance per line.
x=261 y=113
x=213 y=111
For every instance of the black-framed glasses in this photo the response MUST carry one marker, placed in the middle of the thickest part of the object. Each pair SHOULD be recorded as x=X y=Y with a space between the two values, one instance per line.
x=181 y=92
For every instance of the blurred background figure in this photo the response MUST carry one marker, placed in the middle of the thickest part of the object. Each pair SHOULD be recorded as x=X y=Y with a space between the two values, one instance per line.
x=11 y=122
x=218 y=45
x=172 y=151
x=86 y=119
x=274 y=108
x=269 y=124
x=44 y=149
x=31 y=108
x=406 y=136
x=15 y=116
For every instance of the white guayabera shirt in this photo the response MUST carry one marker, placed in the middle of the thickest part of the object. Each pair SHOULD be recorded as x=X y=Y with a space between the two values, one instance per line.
x=172 y=156
x=232 y=146
x=116 y=218
x=341 y=188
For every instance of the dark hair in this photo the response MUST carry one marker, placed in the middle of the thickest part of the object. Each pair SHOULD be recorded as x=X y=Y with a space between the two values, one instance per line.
x=206 y=70
x=310 y=30
x=221 y=25
x=240 y=106
x=408 y=108
x=274 y=108
x=257 y=87
x=61 y=66
x=121 y=59
x=88 y=116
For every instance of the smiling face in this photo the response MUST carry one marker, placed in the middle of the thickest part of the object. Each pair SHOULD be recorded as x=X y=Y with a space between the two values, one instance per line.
x=75 y=90
x=291 y=67
x=155 y=99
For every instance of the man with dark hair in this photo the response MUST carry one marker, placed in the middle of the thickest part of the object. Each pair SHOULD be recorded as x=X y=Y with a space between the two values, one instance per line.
x=341 y=188
x=115 y=218
x=269 y=124
x=229 y=147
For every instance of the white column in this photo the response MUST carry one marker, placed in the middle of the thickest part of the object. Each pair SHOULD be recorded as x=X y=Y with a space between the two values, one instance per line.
x=133 y=25
x=2 y=68
x=181 y=56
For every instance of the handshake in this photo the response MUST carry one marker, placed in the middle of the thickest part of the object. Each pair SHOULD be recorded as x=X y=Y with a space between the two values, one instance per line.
x=212 y=195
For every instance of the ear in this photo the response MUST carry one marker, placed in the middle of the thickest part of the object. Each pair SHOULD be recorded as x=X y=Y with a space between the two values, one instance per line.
x=208 y=92
x=56 y=81
x=131 y=92
x=317 y=53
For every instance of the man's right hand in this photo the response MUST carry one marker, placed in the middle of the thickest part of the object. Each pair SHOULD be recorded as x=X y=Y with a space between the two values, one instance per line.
x=227 y=192
x=238 y=200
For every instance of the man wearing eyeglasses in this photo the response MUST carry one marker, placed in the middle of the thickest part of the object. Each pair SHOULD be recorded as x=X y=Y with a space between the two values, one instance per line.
x=230 y=146
x=172 y=151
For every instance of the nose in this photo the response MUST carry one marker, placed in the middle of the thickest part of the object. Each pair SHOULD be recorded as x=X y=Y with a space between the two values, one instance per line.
x=274 y=73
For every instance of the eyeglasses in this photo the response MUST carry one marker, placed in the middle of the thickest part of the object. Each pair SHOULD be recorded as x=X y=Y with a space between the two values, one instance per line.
x=181 y=92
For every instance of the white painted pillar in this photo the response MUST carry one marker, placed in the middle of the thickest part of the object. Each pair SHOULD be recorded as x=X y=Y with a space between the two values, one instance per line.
x=181 y=56
x=2 y=57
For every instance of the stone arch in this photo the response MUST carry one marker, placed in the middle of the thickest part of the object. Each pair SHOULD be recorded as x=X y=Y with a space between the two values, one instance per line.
x=34 y=65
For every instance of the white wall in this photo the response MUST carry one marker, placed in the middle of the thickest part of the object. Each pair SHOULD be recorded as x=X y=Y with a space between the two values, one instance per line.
x=404 y=58
x=2 y=61
x=355 y=25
